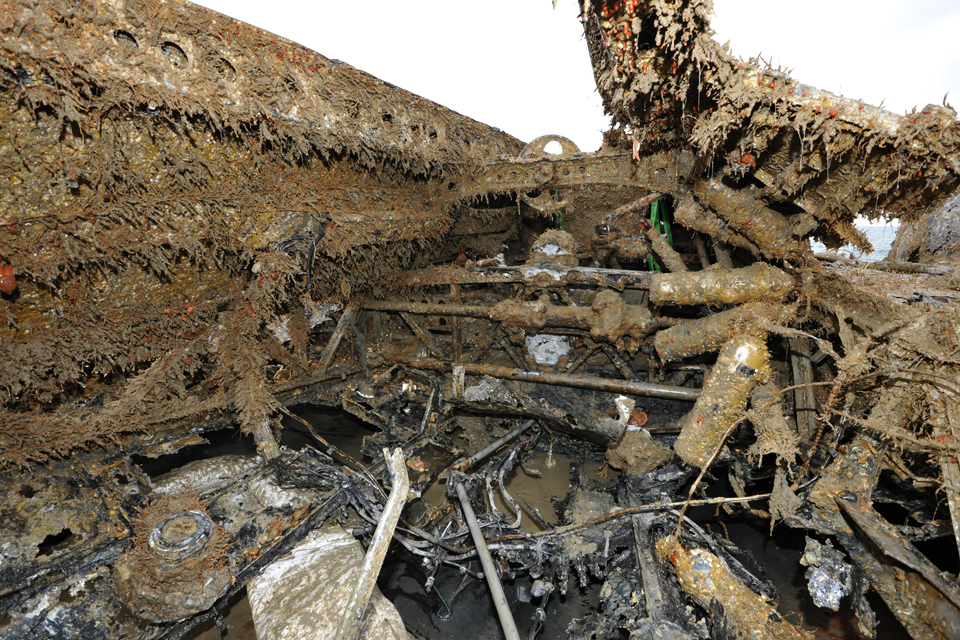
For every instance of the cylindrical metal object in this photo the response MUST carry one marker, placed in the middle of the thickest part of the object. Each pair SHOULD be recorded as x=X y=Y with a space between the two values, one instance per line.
x=708 y=580
x=749 y=216
x=352 y=618
x=626 y=387
x=741 y=366
x=496 y=444
x=671 y=259
x=489 y=571
x=693 y=337
x=347 y=319
x=759 y=281
x=426 y=308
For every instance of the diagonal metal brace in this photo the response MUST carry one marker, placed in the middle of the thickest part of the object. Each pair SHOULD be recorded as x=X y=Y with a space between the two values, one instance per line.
x=353 y=613
x=432 y=344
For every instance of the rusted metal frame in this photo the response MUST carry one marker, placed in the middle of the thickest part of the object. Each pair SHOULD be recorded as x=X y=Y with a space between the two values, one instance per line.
x=518 y=358
x=626 y=387
x=430 y=342
x=555 y=276
x=457 y=325
x=346 y=321
x=588 y=350
x=485 y=342
x=622 y=366
x=356 y=606
x=659 y=172
x=884 y=536
x=489 y=569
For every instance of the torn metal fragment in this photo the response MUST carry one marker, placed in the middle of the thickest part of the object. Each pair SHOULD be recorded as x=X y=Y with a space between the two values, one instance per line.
x=828 y=576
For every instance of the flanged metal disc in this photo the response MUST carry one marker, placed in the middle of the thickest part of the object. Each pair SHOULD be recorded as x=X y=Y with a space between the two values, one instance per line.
x=181 y=534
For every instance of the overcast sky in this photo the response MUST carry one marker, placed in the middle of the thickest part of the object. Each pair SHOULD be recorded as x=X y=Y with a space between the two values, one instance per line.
x=523 y=67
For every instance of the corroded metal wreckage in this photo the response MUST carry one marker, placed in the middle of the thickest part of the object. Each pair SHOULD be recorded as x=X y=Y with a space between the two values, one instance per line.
x=205 y=228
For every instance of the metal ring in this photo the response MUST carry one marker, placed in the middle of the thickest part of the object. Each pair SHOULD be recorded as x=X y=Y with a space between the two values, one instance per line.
x=545 y=203
x=179 y=549
x=536 y=148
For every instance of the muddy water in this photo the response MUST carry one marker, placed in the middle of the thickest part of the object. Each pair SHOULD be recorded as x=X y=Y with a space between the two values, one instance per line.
x=460 y=608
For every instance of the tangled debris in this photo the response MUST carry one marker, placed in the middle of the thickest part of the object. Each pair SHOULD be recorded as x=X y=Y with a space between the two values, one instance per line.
x=206 y=226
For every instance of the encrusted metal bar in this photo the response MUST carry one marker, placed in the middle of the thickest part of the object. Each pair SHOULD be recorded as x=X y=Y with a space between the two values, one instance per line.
x=266 y=444
x=583 y=357
x=514 y=353
x=884 y=536
x=626 y=387
x=625 y=369
x=554 y=276
x=804 y=400
x=425 y=336
x=357 y=604
x=660 y=172
x=489 y=570
x=426 y=308
x=346 y=321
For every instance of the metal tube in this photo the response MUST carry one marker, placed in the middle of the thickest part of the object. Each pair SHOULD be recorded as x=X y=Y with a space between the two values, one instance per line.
x=496 y=589
x=649 y=389
x=496 y=444
x=531 y=274
x=426 y=308
x=352 y=618
x=347 y=319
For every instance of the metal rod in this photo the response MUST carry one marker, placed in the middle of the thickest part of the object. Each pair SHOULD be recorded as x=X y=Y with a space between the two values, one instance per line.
x=266 y=444
x=346 y=321
x=513 y=352
x=496 y=444
x=583 y=357
x=626 y=387
x=489 y=571
x=558 y=277
x=625 y=369
x=427 y=338
x=630 y=207
x=352 y=618
x=426 y=308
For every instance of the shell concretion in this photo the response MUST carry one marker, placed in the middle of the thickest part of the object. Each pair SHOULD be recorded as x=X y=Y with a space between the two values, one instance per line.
x=8 y=283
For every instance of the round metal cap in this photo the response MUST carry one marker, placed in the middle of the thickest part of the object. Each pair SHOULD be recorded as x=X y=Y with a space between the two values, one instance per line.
x=181 y=534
